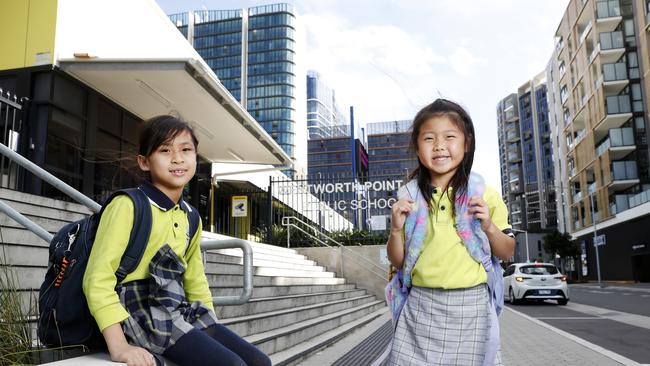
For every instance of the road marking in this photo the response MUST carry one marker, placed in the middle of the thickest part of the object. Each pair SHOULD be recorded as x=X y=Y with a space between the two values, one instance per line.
x=646 y=296
x=636 y=320
x=600 y=292
x=569 y=318
x=594 y=347
x=626 y=294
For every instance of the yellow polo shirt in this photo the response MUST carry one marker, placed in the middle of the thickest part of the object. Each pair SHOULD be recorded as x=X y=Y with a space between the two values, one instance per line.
x=445 y=262
x=170 y=226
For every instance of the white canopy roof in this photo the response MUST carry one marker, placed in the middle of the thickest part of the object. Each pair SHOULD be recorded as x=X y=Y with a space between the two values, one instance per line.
x=130 y=51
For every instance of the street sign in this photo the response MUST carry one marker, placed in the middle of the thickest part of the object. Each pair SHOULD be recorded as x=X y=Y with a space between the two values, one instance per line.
x=239 y=206
x=599 y=240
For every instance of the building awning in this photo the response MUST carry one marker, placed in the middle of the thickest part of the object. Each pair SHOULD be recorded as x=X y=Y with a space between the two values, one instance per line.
x=146 y=88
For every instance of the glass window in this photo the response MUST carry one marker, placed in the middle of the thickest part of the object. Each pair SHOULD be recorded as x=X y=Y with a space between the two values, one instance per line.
x=65 y=136
x=69 y=96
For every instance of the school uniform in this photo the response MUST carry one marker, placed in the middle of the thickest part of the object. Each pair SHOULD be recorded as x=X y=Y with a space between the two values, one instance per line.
x=448 y=315
x=166 y=300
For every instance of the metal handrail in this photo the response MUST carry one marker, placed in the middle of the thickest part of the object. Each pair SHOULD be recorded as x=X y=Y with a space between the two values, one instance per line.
x=286 y=222
x=24 y=221
x=96 y=207
x=247 y=290
x=49 y=178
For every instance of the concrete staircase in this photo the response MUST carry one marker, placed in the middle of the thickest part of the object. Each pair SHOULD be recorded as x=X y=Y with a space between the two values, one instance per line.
x=26 y=253
x=297 y=306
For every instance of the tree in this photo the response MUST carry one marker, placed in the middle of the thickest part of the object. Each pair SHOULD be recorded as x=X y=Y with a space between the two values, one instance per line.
x=560 y=244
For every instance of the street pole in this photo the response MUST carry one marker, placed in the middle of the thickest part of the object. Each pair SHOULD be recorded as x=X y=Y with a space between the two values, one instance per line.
x=596 y=247
x=527 y=250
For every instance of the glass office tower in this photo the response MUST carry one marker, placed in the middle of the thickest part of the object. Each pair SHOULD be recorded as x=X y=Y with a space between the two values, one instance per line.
x=252 y=51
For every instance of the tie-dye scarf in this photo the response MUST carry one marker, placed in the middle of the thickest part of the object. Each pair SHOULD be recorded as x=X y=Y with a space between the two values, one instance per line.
x=469 y=230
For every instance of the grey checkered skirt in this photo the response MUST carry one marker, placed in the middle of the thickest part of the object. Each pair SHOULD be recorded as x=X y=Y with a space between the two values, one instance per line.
x=159 y=311
x=443 y=327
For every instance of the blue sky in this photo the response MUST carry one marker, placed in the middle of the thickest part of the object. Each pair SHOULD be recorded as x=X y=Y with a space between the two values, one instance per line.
x=389 y=58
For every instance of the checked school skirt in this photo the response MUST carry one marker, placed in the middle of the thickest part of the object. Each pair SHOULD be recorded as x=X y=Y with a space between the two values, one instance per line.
x=159 y=312
x=443 y=327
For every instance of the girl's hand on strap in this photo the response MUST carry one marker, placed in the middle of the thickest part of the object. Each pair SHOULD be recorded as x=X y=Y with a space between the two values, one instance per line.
x=399 y=211
x=480 y=210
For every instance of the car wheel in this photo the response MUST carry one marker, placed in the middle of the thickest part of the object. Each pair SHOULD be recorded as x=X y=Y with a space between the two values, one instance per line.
x=562 y=301
x=513 y=299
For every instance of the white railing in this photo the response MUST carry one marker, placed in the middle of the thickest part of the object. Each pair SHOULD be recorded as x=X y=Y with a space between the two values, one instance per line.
x=323 y=240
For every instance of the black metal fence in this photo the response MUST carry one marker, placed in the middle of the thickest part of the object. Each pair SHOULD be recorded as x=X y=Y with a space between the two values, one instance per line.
x=351 y=209
x=12 y=115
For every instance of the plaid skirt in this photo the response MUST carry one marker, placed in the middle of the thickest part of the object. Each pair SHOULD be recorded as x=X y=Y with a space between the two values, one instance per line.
x=159 y=312
x=443 y=327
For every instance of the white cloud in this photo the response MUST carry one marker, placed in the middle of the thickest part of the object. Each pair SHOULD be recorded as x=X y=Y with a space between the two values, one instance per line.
x=375 y=67
x=463 y=61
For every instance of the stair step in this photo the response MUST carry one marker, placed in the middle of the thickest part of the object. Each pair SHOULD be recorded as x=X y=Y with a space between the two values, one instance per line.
x=261 y=253
x=279 y=339
x=237 y=280
x=266 y=304
x=11 y=195
x=292 y=355
x=21 y=236
x=24 y=255
x=256 y=323
x=49 y=224
x=259 y=260
x=28 y=209
x=275 y=272
x=229 y=268
x=272 y=291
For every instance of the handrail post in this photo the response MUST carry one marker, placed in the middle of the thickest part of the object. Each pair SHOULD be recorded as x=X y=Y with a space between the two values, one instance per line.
x=247 y=290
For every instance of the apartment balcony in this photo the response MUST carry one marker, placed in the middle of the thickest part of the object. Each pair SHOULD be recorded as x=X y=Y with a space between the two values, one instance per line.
x=577 y=197
x=514 y=157
x=615 y=78
x=622 y=202
x=608 y=15
x=576 y=225
x=612 y=46
x=620 y=143
x=618 y=110
x=639 y=198
x=585 y=32
x=624 y=175
x=512 y=135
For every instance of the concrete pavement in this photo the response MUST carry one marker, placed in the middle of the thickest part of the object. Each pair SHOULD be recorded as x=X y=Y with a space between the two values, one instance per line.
x=528 y=341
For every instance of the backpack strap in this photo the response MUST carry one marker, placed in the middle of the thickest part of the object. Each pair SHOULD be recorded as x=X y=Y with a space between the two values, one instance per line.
x=142 y=222
x=194 y=219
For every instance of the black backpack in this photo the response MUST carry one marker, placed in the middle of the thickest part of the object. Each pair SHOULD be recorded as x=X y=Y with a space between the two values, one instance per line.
x=64 y=317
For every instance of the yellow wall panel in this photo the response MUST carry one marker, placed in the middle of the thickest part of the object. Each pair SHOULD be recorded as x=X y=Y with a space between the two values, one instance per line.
x=28 y=32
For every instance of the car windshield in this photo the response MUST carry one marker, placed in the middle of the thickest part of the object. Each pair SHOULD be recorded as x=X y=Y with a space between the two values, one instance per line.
x=539 y=270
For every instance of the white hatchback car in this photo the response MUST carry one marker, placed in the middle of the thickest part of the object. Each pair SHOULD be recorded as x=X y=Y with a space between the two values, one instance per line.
x=534 y=281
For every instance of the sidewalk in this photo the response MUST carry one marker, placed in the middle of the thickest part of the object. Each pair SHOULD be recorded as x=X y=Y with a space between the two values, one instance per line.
x=528 y=341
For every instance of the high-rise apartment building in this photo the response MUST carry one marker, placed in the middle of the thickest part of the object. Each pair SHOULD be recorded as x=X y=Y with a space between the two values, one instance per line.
x=536 y=156
x=599 y=126
x=510 y=158
x=526 y=161
x=253 y=52
x=324 y=119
